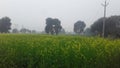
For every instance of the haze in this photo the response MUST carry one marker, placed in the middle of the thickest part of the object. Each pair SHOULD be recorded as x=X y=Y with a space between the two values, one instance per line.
x=32 y=13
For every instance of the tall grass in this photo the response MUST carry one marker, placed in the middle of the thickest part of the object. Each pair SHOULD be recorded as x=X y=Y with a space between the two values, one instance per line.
x=42 y=51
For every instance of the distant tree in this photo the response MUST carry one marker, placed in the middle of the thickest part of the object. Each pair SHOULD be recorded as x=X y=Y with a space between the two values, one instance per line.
x=112 y=26
x=79 y=27
x=88 y=32
x=29 y=31
x=33 y=31
x=5 y=24
x=97 y=27
x=53 y=26
x=15 y=30
x=62 y=31
x=24 y=30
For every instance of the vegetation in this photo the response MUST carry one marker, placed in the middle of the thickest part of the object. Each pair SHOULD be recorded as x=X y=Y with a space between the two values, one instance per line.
x=43 y=51
x=112 y=26
x=79 y=27
x=53 y=26
x=5 y=24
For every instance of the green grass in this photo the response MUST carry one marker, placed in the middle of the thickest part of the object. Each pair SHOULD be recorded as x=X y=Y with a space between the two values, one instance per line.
x=43 y=51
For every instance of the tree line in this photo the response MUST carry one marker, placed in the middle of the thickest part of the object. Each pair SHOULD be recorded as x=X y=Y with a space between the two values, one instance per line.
x=53 y=26
x=112 y=27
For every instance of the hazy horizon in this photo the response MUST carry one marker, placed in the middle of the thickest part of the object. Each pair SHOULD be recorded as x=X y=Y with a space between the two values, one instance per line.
x=32 y=13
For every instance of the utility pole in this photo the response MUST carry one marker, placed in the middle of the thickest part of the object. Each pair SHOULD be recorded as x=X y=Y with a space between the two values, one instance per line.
x=104 y=20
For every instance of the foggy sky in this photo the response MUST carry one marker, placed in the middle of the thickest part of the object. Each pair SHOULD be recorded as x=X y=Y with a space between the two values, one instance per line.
x=32 y=13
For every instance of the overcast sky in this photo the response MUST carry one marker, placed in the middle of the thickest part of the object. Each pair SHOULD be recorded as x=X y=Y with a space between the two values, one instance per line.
x=32 y=13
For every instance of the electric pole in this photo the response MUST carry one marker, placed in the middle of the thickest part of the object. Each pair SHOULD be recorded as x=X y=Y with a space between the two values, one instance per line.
x=104 y=20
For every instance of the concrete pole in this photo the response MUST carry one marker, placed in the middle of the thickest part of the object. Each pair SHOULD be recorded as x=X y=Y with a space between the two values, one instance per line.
x=104 y=20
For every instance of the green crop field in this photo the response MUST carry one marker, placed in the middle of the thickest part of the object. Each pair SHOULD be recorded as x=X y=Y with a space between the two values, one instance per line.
x=46 y=51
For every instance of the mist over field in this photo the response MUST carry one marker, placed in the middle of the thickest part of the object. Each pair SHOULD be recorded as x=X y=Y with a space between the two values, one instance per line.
x=32 y=13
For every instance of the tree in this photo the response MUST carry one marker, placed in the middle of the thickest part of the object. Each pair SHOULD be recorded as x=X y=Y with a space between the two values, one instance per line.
x=96 y=28
x=112 y=26
x=88 y=32
x=5 y=24
x=33 y=31
x=62 y=31
x=53 y=26
x=79 y=27
x=24 y=30
x=15 y=30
